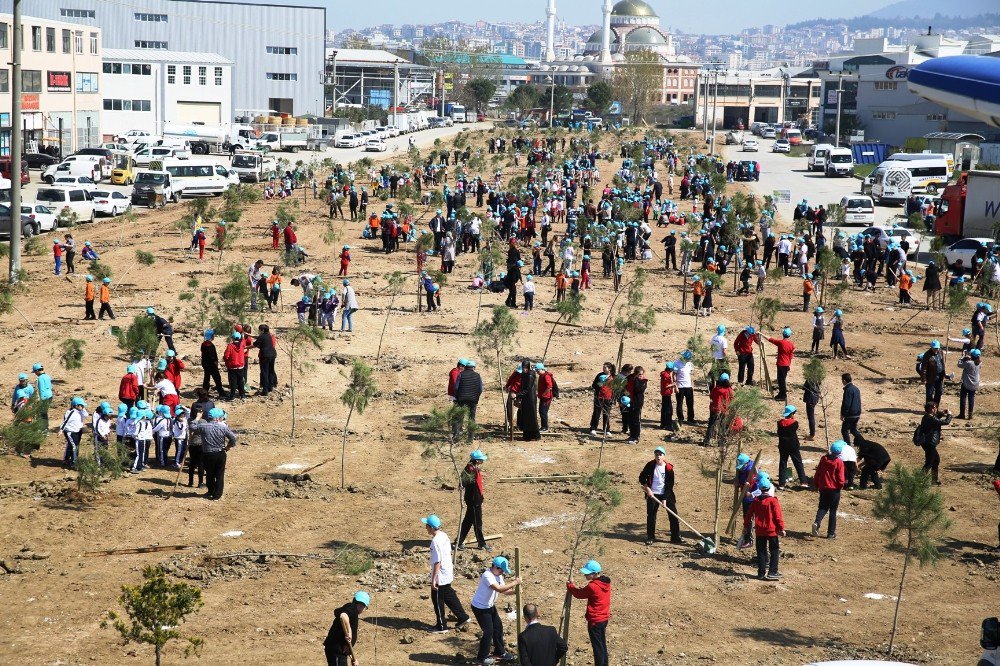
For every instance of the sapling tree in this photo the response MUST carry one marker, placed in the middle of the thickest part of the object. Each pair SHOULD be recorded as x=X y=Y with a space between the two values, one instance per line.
x=570 y=310
x=99 y=270
x=395 y=287
x=957 y=300
x=71 y=353
x=444 y=431
x=155 y=611
x=634 y=316
x=26 y=433
x=493 y=340
x=295 y=339
x=138 y=337
x=359 y=392
x=814 y=372
x=919 y=224
x=142 y=258
x=916 y=520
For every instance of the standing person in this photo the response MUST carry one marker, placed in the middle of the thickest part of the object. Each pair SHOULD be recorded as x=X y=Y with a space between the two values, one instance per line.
x=268 y=356
x=474 y=494
x=69 y=245
x=44 y=385
x=829 y=480
x=849 y=456
x=255 y=275
x=637 y=382
x=850 y=409
x=343 y=634
x=548 y=389
x=657 y=481
x=235 y=360
x=442 y=575
x=527 y=404
x=216 y=440
x=720 y=345
x=811 y=398
x=721 y=395
x=349 y=305
x=89 y=294
x=602 y=386
x=210 y=363
x=788 y=447
x=683 y=373
x=930 y=429
x=468 y=388
x=765 y=512
x=837 y=340
x=538 y=644
x=491 y=586
x=74 y=422
x=667 y=385
x=819 y=330
x=786 y=351
x=970 y=365
x=743 y=345
x=933 y=373
x=57 y=255
x=104 y=295
x=597 y=592
x=291 y=244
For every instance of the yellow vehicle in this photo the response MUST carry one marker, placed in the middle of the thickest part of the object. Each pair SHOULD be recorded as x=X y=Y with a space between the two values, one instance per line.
x=123 y=172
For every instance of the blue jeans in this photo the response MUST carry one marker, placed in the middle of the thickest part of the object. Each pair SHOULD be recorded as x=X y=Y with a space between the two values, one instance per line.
x=58 y=265
x=346 y=316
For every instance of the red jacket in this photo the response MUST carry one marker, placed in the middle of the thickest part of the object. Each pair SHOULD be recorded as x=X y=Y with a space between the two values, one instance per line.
x=234 y=357
x=720 y=397
x=785 y=351
x=666 y=383
x=830 y=474
x=598 y=595
x=743 y=344
x=129 y=387
x=765 y=511
x=173 y=372
x=546 y=386
x=452 y=376
x=513 y=384
x=290 y=237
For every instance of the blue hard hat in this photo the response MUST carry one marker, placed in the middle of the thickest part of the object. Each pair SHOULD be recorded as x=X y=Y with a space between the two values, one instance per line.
x=22 y=377
x=837 y=447
x=150 y=311
x=78 y=402
x=478 y=455
x=789 y=410
x=142 y=404
x=764 y=483
x=686 y=354
x=161 y=364
x=122 y=410
x=105 y=407
x=820 y=310
x=539 y=366
x=346 y=282
x=501 y=563
x=670 y=365
x=626 y=401
x=363 y=597
x=209 y=333
x=838 y=313
x=724 y=377
x=786 y=332
x=171 y=353
x=163 y=410
x=239 y=336
x=742 y=459
x=602 y=377
x=721 y=328
x=935 y=344
x=976 y=353
x=133 y=413
x=431 y=521
x=591 y=567
x=216 y=413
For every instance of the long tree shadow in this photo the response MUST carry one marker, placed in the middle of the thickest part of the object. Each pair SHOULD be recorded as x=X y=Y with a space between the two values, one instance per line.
x=777 y=637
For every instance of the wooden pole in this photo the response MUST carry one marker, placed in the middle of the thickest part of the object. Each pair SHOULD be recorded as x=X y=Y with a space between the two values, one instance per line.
x=517 y=593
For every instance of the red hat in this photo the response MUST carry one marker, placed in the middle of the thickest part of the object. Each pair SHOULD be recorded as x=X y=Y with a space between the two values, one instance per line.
x=996 y=485
x=239 y=328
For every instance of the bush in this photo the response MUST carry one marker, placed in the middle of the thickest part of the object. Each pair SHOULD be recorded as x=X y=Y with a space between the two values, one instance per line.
x=353 y=560
x=71 y=353
x=140 y=336
x=88 y=474
x=100 y=270
x=27 y=432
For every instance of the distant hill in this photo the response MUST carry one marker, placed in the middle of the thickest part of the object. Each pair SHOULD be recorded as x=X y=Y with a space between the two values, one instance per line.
x=909 y=9
x=982 y=22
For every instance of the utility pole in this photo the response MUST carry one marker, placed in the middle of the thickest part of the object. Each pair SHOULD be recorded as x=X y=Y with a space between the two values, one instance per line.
x=444 y=92
x=840 y=81
x=395 y=91
x=704 y=105
x=16 y=138
x=333 y=80
x=552 y=101
x=715 y=110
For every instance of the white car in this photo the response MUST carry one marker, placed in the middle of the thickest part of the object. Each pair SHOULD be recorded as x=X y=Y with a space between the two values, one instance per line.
x=781 y=146
x=110 y=202
x=375 y=146
x=858 y=209
x=894 y=234
x=750 y=146
x=83 y=182
x=44 y=217
x=965 y=250
x=393 y=131
x=133 y=136
x=347 y=141
x=146 y=155
x=76 y=199
x=767 y=133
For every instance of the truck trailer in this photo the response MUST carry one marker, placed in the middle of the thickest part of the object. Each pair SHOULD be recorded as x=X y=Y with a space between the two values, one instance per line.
x=971 y=207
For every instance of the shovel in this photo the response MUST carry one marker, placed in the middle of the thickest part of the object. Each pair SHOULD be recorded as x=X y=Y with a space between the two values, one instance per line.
x=707 y=544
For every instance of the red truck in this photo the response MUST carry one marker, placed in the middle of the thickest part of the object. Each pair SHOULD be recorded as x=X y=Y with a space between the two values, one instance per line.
x=5 y=170
x=970 y=208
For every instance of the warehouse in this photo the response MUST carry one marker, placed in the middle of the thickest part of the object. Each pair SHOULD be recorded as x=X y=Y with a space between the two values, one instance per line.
x=277 y=50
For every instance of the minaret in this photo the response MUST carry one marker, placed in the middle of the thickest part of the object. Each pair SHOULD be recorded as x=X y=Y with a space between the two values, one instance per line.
x=606 y=34
x=550 y=43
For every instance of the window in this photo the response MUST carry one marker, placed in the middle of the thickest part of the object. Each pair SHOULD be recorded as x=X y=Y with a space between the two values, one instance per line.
x=218 y=76
x=93 y=43
x=937 y=116
x=282 y=76
x=171 y=74
x=36 y=38
x=283 y=50
x=31 y=80
x=78 y=41
x=886 y=85
x=147 y=44
x=50 y=40
x=86 y=82
x=151 y=18
x=202 y=79
x=65 y=41
x=883 y=115
x=187 y=75
x=77 y=13
x=4 y=80
x=3 y=35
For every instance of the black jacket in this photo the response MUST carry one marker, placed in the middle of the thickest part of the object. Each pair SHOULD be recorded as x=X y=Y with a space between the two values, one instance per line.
x=540 y=645
x=163 y=327
x=931 y=425
x=646 y=479
x=850 y=406
x=265 y=343
x=788 y=435
x=872 y=453
x=469 y=386
x=209 y=355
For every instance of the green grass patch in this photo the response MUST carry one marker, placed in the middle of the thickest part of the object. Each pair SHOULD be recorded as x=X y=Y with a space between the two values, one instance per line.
x=862 y=171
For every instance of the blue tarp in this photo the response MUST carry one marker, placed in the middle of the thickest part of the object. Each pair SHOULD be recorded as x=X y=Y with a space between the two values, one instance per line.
x=869 y=153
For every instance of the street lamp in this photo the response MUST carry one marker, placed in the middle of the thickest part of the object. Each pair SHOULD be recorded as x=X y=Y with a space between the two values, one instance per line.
x=552 y=100
x=333 y=79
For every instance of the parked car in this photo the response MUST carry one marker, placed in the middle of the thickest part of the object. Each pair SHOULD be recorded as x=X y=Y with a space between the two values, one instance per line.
x=966 y=250
x=750 y=146
x=894 y=234
x=110 y=202
x=768 y=132
x=375 y=146
x=347 y=141
x=76 y=199
x=28 y=225
x=40 y=160
x=43 y=216
x=74 y=165
x=858 y=210
x=781 y=146
x=83 y=182
x=146 y=155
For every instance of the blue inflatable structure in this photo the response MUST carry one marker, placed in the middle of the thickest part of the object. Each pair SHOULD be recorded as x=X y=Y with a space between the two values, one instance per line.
x=966 y=83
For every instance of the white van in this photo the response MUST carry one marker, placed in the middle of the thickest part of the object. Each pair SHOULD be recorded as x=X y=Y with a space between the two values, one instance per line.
x=817 y=158
x=76 y=199
x=929 y=172
x=839 y=162
x=74 y=165
x=198 y=178
x=150 y=153
x=890 y=184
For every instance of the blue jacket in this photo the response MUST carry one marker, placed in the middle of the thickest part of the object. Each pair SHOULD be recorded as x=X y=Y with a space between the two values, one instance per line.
x=44 y=386
x=850 y=407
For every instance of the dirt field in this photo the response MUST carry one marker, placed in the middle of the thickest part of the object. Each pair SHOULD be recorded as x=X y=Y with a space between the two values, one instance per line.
x=671 y=604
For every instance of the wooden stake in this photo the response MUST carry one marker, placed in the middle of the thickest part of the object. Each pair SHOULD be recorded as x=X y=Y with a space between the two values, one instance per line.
x=517 y=593
x=135 y=551
x=871 y=369
x=528 y=479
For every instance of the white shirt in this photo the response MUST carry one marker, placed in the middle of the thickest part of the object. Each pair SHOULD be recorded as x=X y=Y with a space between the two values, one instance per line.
x=166 y=387
x=659 y=479
x=144 y=430
x=485 y=596
x=441 y=554
x=161 y=425
x=784 y=247
x=103 y=428
x=719 y=346
x=849 y=454
x=682 y=373
x=74 y=419
x=348 y=300
x=141 y=367
x=528 y=288
x=179 y=429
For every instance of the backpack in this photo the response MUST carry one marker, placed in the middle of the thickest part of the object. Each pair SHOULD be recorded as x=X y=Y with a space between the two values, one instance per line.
x=919 y=436
x=991 y=634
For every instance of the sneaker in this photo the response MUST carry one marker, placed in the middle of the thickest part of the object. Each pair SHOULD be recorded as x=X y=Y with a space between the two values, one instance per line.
x=460 y=547
x=773 y=576
x=650 y=542
x=461 y=624
x=815 y=530
x=487 y=547
x=593 y=433
x=438 y=630
x=831 y=536
x=489 y=661
x=506 y=656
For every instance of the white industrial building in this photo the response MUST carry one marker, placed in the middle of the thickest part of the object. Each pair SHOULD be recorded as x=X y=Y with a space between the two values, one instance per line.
x=145 y=88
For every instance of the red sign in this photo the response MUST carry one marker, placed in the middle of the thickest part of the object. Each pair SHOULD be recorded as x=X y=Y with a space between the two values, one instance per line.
x=29 y=102
x=58 y=81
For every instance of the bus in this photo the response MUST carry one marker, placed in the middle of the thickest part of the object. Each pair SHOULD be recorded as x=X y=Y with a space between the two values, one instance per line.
x=198 y=177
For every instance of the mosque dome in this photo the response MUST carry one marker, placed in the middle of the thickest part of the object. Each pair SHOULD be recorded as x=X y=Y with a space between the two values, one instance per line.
x=644 y=37
x=635 y=8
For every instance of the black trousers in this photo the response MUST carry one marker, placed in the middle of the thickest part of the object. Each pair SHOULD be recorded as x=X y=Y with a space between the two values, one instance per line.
x=932 y=459
x=335 y=658
x=848 y=427
x=871 y=473
x=783 y=381
x=667 y=412
x=635 y=422
x=602 y=412
x=215 y=473
x=829 y=500
x=105 y=308
x=489 y=622
x=170 y=341
x=745 y=362
x=473 y=520
x=268 y=378
x=599 y=642
x=850 y=470
x=236 y=385
x=443 y=596
x=652 y=506
x=685 y=395
x=543 y=412
x=195 y=463
x=88 y=310
x=768 y=554
x=212 y=373
x=796 y=457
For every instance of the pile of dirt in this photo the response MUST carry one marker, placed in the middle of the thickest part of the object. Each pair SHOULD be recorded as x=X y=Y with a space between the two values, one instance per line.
x=839 y=650
x=299 y=486
x=207 y=568
x=33 y=490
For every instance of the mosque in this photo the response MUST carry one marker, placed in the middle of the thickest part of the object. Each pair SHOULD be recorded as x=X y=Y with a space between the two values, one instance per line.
x=628 y=25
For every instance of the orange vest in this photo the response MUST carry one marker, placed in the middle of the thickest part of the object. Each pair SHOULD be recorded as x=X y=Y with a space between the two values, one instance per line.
x=807 y=287
x=105 y=294
x=88 y=294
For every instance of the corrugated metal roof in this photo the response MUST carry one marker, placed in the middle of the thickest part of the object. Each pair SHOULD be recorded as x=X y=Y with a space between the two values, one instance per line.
x=163 y=55
x=952 y=136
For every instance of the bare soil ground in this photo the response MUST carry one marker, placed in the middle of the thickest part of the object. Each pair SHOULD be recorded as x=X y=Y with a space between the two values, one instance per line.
x=671 y=604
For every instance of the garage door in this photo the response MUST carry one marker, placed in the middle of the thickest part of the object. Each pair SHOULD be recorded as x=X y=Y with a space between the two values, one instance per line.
x=209 y=113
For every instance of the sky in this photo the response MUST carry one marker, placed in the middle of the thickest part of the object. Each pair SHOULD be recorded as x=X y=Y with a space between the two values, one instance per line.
x=725 y=16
